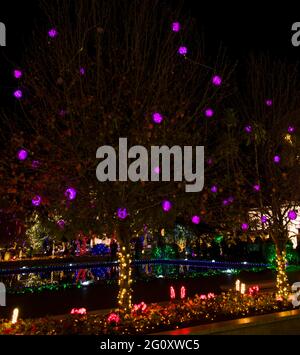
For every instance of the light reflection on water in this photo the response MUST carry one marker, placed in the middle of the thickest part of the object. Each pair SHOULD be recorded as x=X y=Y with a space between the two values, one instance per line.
x=85 y=277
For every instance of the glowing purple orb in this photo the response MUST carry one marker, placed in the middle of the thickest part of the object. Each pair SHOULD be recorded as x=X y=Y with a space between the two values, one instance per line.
x=61 y=224
x=196 y=219
x=264 y=219
x=166 y=205
x=248 y=129
x=22 y=154
x=82 y=71
x=256 y=187
x=291 y=129
x=17 y=73
x=18 y=94
x=276 y=159
x=216 y=80
x=225 y=202
x=292 y=215
x=209 y=112
x=52 y=33
x=214 y=189
x=245 y=226
x=182 y=50
x=269 y=102
x=36 y=201
x=122 y=213
x=157 y=117
x=70 y=193
x=176 y=26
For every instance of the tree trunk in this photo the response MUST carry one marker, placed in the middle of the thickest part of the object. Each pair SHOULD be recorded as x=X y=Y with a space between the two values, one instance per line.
x=282 y=285
x=125 y=281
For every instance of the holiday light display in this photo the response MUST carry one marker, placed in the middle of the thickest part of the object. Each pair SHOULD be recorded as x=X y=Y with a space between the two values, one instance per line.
x=70 y=193
x=209 y=112
x=18 y=94
x=166 y=205
x=157 y=117
x=176 y=26
x=182 y=50
x=216 y=80
x=125 y=280
x=282 y=286
x=52 y=33
x=18 y=73
x=22 y=154
x=196 y=219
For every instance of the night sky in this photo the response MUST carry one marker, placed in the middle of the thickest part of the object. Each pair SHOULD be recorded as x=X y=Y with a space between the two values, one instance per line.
x=247 y=27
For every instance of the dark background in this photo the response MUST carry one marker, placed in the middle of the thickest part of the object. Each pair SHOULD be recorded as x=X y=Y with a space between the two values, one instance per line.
x=242 y=27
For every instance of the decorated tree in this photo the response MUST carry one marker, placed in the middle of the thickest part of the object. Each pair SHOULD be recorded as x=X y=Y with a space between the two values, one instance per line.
x=267 y=117
x=97 y=72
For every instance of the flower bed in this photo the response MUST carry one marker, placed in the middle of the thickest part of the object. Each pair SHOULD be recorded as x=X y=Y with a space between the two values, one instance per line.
x=146 y=319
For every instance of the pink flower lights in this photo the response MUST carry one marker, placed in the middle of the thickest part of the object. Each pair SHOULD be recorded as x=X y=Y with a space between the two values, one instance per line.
x=113 y=318
x=80 y=311
x=157 y=117
x=166 y=205
x=196 y=219
x=176 y=26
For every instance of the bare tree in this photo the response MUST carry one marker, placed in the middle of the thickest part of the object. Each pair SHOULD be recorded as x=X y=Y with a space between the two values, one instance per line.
x=100 y=74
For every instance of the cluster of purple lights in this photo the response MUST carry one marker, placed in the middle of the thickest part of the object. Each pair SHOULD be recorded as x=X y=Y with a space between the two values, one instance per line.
x=216 y=80
x=17 y=73
x=292 y=215
x=18 y=94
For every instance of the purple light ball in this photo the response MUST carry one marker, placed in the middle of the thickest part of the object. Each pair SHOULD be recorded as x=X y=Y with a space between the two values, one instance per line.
x=209 y=112
x=245 y=226
x=214 y=189
x=166 y=205
x=157 y=117
x=216 y=80
x=225 y=202
x=122 y=213
x=264 y=219
x=52 y=33
x=269 y=102
x=256 y=187
x=17 y=73
x=276 y=159
x=196 y=219
x=292 y=215
x=291 y=129
x=70 y=193
x=36 y=201
x=22 y=154
x=176 y=26
x=182 y=50
x=82 y=71
x=248 y=129
x=18 y=94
